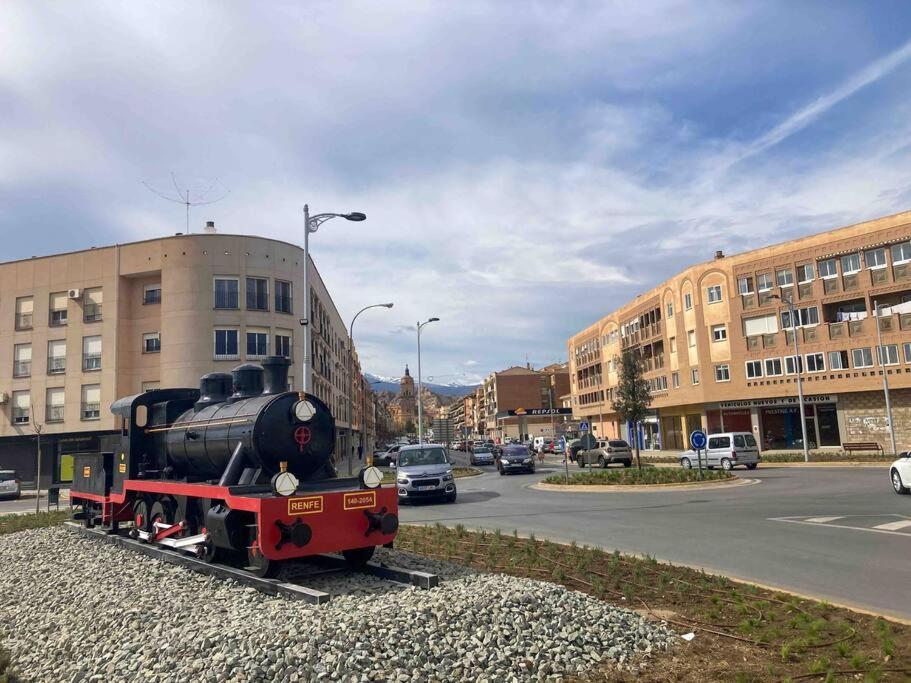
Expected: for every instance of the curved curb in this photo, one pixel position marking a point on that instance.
(476, 473)
(644, 488)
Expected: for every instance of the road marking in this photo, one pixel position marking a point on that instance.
(821, 520)
(875, 530)
(894, 526)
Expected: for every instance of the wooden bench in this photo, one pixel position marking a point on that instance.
(862, 446)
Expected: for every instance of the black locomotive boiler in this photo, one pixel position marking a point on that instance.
(240, 465)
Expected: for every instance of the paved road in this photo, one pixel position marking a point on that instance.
(839, 534)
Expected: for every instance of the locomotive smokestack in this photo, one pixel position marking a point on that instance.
(213, 388)
(275, 374)
(247, 380)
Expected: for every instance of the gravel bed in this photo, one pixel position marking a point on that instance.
(81, 610)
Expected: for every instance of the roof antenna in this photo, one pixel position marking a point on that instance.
(197, 192)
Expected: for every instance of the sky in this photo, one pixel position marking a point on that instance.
(526, 167)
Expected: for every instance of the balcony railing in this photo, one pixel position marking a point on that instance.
(769, 341)
(851, 282)
(22, 368)
(57, 318)
(830, 286)
(886, 323)
(838, 330)
(749, 301)
(54, 414)
(91, 361)
(151, 296)
(904, 321)
(879, 276)
(901, 272)
(765, 298)
(56, 365)
(91, 411)
(810, 334)
(225, 299)
(754, 343)
(805, 290)
(23, 321)
(21, 415)
(856, 328)
(92, 313)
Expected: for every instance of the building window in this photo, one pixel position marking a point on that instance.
(25, 307)
(850, 264)
(675, 380)
(722, 373)
(56, 356)
(762, 324)
(784, 277)
(875, 258)
(91, 353)
(754, 369)
(22, 360)
(91, 310)
(670, 310)
(91, 402)
(57, 314)
(901, 252)
(804, 317)
(151, 294)
(257, 343)
(773, 367)
(283, 344)
(150, 386)
(694, 375)
(691, 338)
(226, 292)
(226, 345)
(687, 301)
(22, 407)
(745, 285)
(719, 333)
(793, 365)
(54, 405)
(713, 294)
(907, 348)
(827, 268)
(764, 282)
(887, 354)
(862, 358)
(805, 273)
(282, 296)
(838, 360)
(673, 344)
(151, 342)
(816, 362)
(257, 294)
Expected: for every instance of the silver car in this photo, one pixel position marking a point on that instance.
(425, 472)
(608, 452)
(726, 450)
(481, 455)
(9, 484)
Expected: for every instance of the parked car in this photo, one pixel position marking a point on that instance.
(10, 485)
(900, 472)
(608, 452)
(482, 455)
(424, 472)
(515, 459)
(574, 447)
(388, 457)
(726, 450)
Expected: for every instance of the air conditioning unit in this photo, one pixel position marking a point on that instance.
(4, 397)
(74, 294)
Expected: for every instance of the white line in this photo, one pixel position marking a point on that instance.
(894, 526)
(822, 520)
(840, 526)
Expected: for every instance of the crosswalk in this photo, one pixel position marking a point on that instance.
(899, 525)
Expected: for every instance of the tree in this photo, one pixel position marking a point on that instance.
(409, 427)
(633, 396)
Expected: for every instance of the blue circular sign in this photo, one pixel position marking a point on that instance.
(697, 439)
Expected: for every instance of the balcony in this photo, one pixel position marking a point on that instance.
(57, 318)
(54, 414)
(23, 321)
(904, 321)
(754, 343)
(880, 276)
(805, 290)
(55, 366)
(810, 334)
(765, 297)
(22, 368)
(838, 330)
(91, 313)
(887, 323)
(748, 301)
(21, 416)
(769, 341)
(151, 296)
(851, 283)
(91, 361)
(830, 286)
(901, 272)
(857, 328)
(91, 411)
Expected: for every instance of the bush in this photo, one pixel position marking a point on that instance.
(12, 523)
(6, 673)
(635, 477)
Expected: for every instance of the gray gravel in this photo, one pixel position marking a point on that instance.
(79, 610)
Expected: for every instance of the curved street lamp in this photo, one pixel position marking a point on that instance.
(798, 367)
(311, 224)
(420, 397)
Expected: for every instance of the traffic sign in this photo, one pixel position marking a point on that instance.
(583, 426)
(588, 441)
(697, 439)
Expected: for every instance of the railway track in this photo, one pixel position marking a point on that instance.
(288, 586)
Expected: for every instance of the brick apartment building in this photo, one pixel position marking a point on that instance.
(717, 344)
(79, 330)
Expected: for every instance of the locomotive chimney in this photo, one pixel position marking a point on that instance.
(247, 380)
(213, 388)
(275, 374)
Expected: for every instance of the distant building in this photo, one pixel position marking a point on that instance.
(509, 403)
(404, 407)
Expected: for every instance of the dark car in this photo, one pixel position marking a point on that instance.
(515, 458)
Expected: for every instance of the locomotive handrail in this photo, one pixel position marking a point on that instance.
(205, 423)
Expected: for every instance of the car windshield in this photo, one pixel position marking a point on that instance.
(751, 442)
(515, 450)
(7, 475)
(481, 449)
(422, 456)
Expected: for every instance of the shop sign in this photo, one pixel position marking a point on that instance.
(773, 402)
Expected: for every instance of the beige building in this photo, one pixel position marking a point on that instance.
(718, 346)
(520, 403)
(81, 329)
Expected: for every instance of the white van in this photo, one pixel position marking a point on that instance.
(726, 450)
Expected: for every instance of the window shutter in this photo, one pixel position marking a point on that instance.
(56, 349)
(24, 352)
(93, 296)
(25, 306)
(22, 399)
(92, 393)
(56, 397)
(58, 301)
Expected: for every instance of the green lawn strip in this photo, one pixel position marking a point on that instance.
(634, 477)
(743, 632)
(12, 523)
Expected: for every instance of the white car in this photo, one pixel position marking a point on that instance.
(10, 486)
(900, 472)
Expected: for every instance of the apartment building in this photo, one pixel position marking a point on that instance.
(717, 344)
(79, 330)
(520, 402)
(455, 412)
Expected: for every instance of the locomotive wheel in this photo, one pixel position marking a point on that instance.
(141, 515)
(259, 564)
(359, 556)
(89, 515)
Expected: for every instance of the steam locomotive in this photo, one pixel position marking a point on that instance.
(238, 467)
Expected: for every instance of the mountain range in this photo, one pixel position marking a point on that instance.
(392, 384)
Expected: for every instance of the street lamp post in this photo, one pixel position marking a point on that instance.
(311, 224)
(799, 369)
(882, 367)
(37, 426)
(420, 397)
(351, 385)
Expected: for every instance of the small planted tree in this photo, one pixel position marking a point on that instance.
(633, 396)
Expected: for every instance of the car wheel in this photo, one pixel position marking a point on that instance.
(580, 462)
(502, 471)
(451, 498)
(897, 483)
(726, 464)
(602, 463)
(686, 464)
(627, 463)
(752, 465)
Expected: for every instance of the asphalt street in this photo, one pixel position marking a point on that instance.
(838, 534)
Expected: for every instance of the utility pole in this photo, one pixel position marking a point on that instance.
(37, 426)
(882, 367)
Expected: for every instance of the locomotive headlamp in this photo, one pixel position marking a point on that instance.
(304, 410)
(284, 483)
(371, 477)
